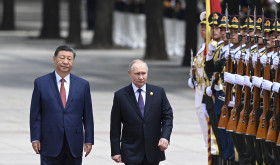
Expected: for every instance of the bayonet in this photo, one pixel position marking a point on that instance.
(248, 30)
(227, 30)
(192, 70)
(264, 38)
(255, 33)
(239, 34)
(227, 21)
(191, 75)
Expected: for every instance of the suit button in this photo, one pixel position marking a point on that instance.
(64, 113)
(62, 126)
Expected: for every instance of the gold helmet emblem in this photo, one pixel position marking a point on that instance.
(259, 20)
(267, 23)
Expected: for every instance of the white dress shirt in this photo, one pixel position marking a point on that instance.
(143, 93)
(66, 83)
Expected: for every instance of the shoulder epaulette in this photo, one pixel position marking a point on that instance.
(243, 48)
(220, 43)
(217, 54)
(262, 51)
(254, 48)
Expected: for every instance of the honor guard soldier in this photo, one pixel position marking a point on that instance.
(214, 79)
(271, 151)
(219, 67)
(253, 38)
(275, 90)
(197, 82)
(233, 77)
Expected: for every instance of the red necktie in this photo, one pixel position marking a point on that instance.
(63, 93)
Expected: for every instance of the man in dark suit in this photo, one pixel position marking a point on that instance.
(141, 120)
(60, 108)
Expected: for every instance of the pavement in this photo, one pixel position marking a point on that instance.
(23, 58)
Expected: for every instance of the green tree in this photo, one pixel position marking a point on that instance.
(103, 32)
(74, 29)
(155, 42)
(50, 28)
(191, 15)
(8, 15)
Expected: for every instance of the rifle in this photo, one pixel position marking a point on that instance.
(224, 111)
(243, 119)
(262, 129)
(272, 130)
(277, 100)
(252, 127)
(232, 123)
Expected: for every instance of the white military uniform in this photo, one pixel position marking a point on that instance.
(199, 91)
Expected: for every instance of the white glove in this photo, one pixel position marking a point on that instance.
(209, 91)
(211, 49)
(263, 59)
(266, 84)
(231, 103)
(247, 81)
(275, 62)
(239, 79)
(190, 83)
(275, 87)
(209, 57)
(255, 58)
(228, 77)
(247, 57)
(257, 81)
(203, 107)
(227, 54)
(237, 56)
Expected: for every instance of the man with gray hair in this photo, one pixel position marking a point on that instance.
(141, 120)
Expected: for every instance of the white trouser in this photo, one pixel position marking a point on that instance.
(200, 111)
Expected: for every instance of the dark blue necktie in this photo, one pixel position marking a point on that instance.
(141, 102)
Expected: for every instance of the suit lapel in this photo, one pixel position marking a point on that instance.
(149, 99)
(132, 99)
(71, 91)
(54, 87)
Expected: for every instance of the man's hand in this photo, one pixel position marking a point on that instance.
(36, 147)
(87, 149)
(163, 144)
(117, 158)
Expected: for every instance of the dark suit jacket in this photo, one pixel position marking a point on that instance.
(134, 136)
(49, 121)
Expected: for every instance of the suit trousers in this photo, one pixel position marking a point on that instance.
(144, 162)
(64, 158)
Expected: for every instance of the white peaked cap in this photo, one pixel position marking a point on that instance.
(202, 15)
